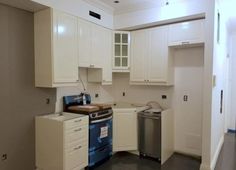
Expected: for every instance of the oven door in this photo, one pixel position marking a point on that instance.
(100, 133)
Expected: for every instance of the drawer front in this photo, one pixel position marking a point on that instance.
(75, 134)
(76, 155)
(76, 122)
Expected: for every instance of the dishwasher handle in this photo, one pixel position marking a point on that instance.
(149, 117)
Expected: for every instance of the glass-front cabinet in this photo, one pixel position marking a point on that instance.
(121, 51)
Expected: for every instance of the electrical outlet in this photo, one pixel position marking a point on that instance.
(96, 95)
(4, 157)
(185, 98)
(123, 93)
(164, 97)
(48, 101)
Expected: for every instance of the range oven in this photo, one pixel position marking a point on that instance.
(100, 130)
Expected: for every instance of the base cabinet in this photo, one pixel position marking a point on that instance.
(125, 135)
(61, 142)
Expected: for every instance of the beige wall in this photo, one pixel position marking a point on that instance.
(20, 101)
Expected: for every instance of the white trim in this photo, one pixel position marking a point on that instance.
(215, 157)
(205, 167)
(217, 153)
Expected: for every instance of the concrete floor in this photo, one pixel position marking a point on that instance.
(227, 158)
(127, 161)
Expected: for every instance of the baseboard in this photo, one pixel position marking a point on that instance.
(217, 153)
(215, 158)
(205, 167)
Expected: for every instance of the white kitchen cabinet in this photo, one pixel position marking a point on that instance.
(103, 75)
(56, 53)
(139, 55)
(61, 142)
(90, 44)
(151, 63)
(125, 135)
(121, 51)
(186, 33)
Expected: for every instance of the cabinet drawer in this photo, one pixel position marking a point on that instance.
(77, 133)
(76, 155)
(76, 122)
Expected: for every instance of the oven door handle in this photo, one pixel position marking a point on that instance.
(101, 120)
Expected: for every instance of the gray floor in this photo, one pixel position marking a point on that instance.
(127, 161)
(227, 158)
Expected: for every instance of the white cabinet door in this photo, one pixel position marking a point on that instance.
(85, 43)
(65, 56)
(97, 46)
(121, 53)
(139, 55)
(158, 55)
(125, 131)
(107, 61)
(185, 33)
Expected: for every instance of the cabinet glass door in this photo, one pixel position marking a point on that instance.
(121, 50)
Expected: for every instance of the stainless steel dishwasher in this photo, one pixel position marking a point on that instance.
(149, 128)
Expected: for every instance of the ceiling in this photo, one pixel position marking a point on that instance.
(125, 6)
(27, 5)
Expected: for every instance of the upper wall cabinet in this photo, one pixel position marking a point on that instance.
(150, 62)
(121, 51)
(104, 75)
(90, 44)
(187, 33)
(56, 49)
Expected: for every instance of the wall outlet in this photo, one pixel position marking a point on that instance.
(164, 96)
(185, 98)
(96, 95)
(48, 101)
(4, 157)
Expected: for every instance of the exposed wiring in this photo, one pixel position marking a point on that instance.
(82, 83)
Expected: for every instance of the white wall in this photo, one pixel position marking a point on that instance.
(219, 70)
(140, 94)
(81, 9)
(157, 15)
(189, 65)
(114, 93)
(232, 113)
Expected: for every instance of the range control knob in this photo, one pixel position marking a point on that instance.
(93, 115)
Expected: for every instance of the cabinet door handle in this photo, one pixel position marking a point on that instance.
(76, 121)
(77, 130)
(77, 148)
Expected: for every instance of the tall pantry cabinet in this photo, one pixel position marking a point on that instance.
(56, 50)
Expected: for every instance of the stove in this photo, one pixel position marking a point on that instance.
(100, 126)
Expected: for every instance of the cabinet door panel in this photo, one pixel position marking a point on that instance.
(84, 43)
(65, 48)
(125, 131)
(97, 46)
(139, 55)
(107, 51)
(158, 56)
(187, 32)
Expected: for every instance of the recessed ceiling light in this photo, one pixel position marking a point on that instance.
(116, 2)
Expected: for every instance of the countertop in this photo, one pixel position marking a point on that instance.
(64, 116)
(125, 106)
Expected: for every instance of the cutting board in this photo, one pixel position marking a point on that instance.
(84, 108)
(102, 105)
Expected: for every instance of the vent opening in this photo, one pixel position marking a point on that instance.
(95, 15)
